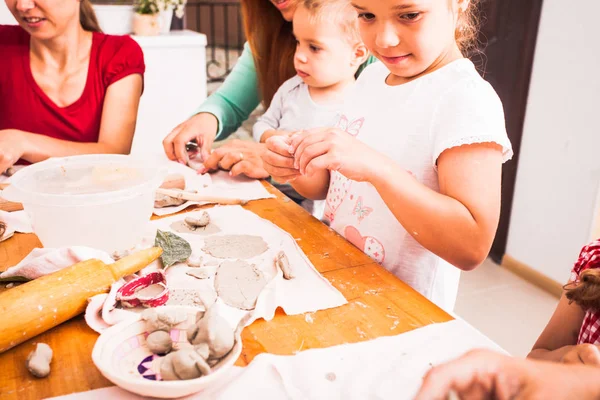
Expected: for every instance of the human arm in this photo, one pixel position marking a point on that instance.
(482, 374)
(117, 127)
(221, 114)
(559, 338)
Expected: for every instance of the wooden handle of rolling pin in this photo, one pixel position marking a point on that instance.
(180, 194)
(41, 304)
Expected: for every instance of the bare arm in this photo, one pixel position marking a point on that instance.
(458, 223)
(117, 126)
(560, 335)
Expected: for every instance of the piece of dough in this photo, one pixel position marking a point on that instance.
(162, 320)
(159, 342)
(213, 330)
(38, 361)
(235, 246)
(239, 284)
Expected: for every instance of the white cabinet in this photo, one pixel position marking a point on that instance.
(174, 85)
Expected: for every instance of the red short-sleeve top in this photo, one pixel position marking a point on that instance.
(25, 106)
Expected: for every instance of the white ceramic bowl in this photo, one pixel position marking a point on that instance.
(121, 355)
(101, 201)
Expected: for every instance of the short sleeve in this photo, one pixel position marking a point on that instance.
(128, 59)
(589, 258)
(469, 112)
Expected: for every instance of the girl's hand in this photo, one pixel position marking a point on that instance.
(278, 161)
(12, 148)
(334, 150)
(239, 157)
(587, 354)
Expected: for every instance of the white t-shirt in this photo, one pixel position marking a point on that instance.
(292, 109)
(412, 124)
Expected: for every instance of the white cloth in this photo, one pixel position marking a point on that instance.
(415, 123)
(292, 109)
(384, 368)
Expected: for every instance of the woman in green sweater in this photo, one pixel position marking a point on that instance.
(266, 62)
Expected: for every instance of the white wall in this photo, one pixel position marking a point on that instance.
(6, 18)
(556, 193)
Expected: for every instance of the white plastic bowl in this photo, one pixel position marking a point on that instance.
(100, 201)
(121, 355)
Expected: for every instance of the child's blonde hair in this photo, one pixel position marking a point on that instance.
(338, 12)
(467, 27)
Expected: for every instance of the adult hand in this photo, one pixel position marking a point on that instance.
(278, 161)
(240, 157)
(201, 127)
(483, 374)
(12, 147)
(587, 354)
(335, 150)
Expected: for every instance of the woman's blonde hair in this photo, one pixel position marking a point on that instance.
(87, 17)
(273, 45)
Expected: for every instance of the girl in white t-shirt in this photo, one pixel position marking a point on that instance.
(411, 173)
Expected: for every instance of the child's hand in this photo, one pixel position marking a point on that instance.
(278, 161)
(334, 150)
(587, 354)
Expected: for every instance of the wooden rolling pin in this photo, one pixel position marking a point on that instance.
(41, 304)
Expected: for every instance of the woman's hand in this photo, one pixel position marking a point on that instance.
(335, 150)
(201, 127)
(240, 157)
(12, 147)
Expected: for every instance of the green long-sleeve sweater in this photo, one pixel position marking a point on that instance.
(238, 96)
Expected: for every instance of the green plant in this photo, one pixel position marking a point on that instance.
(147, 7)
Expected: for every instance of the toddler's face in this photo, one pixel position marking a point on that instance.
(324, 55)
(409, 36)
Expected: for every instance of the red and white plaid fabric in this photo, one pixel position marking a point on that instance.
(588, 258)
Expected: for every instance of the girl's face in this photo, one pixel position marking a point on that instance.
(45, 19)
(286, 7)
(411, 37)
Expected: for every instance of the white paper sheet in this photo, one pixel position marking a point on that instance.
(384, 368)
(291, 295)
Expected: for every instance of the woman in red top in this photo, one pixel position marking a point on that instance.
(573, 333)
(65, 88)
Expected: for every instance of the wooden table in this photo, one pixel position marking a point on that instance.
(378, 305)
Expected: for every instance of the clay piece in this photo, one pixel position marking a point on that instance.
(191, 297)
(162, 320)
(159, 342)
(162, 201)
(239, 284)
(117, 255)
(202, 273)
(200, 222)
(38, 361)
(182, 227)
(284, 264)
(194, 261)
(213, 330)
(235, 246)
(173, 181)
(175, 248)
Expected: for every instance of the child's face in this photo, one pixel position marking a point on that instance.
(324, 56)
(410, 37)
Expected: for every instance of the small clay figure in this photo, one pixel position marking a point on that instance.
(159, 342)
(38, 361)
(166, 368)
(284, 264)
(162, 320)
(200, 222)
(213, 330)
